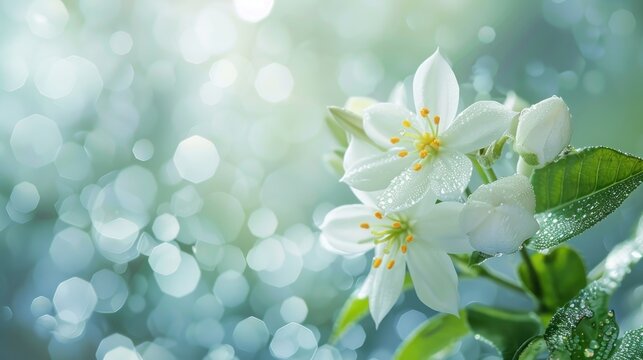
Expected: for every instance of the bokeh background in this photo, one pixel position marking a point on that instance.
(161, 172)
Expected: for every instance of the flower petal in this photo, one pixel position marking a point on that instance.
(405, 190)
(368, 198)
(383, 121)
(478, 126)
(357, 151)
(435, 87)
(449, 174)
(341, 230)
(434, 278)
(502, 229)
(387, 286)
(440, 226)
(367, 285)
(402, 93)
(376, 172)
(513, 190)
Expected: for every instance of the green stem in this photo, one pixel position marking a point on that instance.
(491, 174)
(479, 169)
(482, 271)
(486, 273)
(532, 272)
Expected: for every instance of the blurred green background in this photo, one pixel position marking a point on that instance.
(161, 173)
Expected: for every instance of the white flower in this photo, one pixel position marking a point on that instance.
(499, 217)
(544, 130)
(418, 154)
(419, 238)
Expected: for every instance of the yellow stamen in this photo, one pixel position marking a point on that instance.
(424, 154)
(409, 238)
(402, 153)
(435, 143)
(364, 225)
(424, 112)
(436, 120)
(377, 262)
(404, 249)
(390, 264)
(395, 140)
(396, 225)
(417, 166)
(379, 215)
(406, 123)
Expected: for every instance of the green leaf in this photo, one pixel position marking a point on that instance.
(584, 327)
(334, 162)
(434, 339)
(505, 330)
(630, 346)
(354, 310)
(478, 258)
(561, 276)
(531, 348)
(339, 134)
(580, 189)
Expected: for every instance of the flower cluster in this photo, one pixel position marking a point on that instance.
(411, 170)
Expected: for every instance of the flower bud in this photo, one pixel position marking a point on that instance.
(499, 217)
(357, 104)
(544, 130)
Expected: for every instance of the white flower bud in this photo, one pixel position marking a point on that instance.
(357, 104)
(544, 130)
(499, 217)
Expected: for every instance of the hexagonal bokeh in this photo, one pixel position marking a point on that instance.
(293, 341)
(250, 334)
(74, 300)
(36, 140)
(112, 342)
(71, 249)
(196, 159)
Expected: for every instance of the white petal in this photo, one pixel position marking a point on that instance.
(386, 287)
(434, 278)
(418, 210)
(383, 121)
(341, 231)
(449, 174)
(435, 87)
(402, 93)
(366, 287)
(440, 226)
(357, 151)
(399, 95)
(512, 190)
(502, 230)
(405, 190)
(376, 172)
(478, 126)
(368, 198)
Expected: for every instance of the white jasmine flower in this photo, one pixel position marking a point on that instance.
(425, 152)
(418, 238)
(499, 217)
